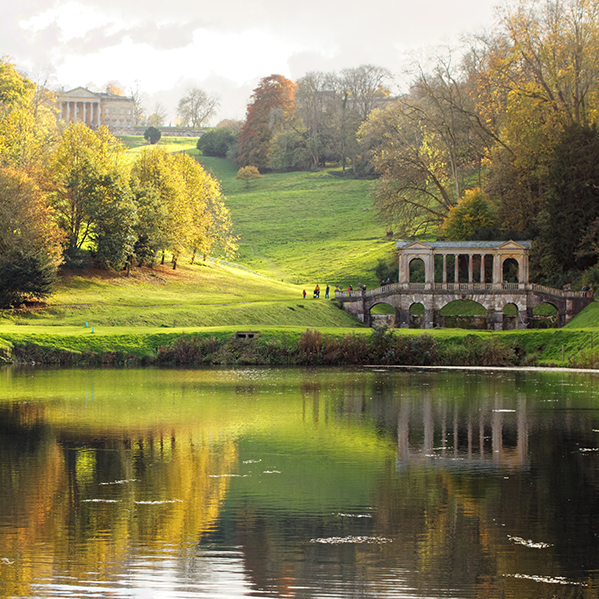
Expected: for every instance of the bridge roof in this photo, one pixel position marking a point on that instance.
(463, 244)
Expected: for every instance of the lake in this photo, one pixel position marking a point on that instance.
(273, 482)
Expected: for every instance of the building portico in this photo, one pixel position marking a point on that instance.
(94, 109)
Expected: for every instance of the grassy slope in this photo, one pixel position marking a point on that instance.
(192, 296)
(307, 228)
(299, 229)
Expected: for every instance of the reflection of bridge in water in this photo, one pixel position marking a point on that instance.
(493, 438)
(493, 274)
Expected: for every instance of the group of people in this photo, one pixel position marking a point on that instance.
(317, 292)
(328, 289)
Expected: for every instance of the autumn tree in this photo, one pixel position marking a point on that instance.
(189, 201)
(538, 75)
(27, 119)
(270, 108)
(247, 174)
(30, 240)
(88, 174)
(196, 107)
(472, 213)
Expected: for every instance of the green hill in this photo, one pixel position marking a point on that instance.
(305, 227)
(302, 227)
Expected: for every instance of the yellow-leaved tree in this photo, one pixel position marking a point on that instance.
(193, 215)
(472, 213)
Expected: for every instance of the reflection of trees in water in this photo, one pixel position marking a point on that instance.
(460, 476)
(471, 484)
(84, 504)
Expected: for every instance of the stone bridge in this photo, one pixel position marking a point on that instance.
(492, 263)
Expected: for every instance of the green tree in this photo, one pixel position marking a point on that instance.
(216, 142)
(113, 214)
(572, 201)
(152, 135)
(289, 151)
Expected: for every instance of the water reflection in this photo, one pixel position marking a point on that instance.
(298, 483)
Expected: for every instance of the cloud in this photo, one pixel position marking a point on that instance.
(229, 44)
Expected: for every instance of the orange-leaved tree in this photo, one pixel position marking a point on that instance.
(271, 106)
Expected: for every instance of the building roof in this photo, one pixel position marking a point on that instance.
(462, 244)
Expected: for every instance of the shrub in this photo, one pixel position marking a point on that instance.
(152, 135)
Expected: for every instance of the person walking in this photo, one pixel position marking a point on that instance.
(304, 294)
(326, 292)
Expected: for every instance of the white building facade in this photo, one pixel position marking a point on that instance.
(96, 109)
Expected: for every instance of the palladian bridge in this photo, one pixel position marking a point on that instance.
(492, 273)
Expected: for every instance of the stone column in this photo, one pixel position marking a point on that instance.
(429, 269)
(497, 270)
(482, 269)
(456, 270)
(470, 273)
(404, 271)
(444, 269)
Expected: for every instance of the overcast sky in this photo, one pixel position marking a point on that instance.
(224, 46)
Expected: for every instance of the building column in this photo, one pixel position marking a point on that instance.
(482, 269)
(404, 272)
(470, 273)
(497, 270)
(429, 269)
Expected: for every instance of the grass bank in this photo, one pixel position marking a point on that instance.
(297, 345)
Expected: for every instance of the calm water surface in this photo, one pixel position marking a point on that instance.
(298, 483)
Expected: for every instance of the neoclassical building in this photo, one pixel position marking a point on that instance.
(95, 109)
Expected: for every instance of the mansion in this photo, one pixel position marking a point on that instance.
(95, 109)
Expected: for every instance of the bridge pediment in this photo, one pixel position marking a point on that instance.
(512, 245)
(416, 246)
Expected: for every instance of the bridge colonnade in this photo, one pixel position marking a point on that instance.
(494, 294)
(450, 251)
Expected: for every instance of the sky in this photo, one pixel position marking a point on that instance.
(166, 47)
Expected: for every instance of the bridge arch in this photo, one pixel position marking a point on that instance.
(417, 270)
(545, 315)
(383, 313)
(463, 314)
(417, 315)
(510, 270)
